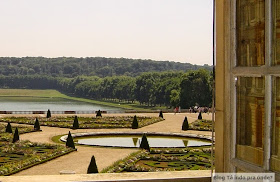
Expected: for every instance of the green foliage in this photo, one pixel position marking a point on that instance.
(199, 116)
(9, 128)
(36, 125)
(16, 136)
(135, 123)
(49, 114)
(196, 89)
(160, 114)
(92, 168)
(86, 122)
(201, 125)
(90, 66)
(23, 154)
(164, 159)
(185, 125)
(144, 143)
(69, 141)
(149, 89)
(76, 123)
(98, 114)
(174, 98)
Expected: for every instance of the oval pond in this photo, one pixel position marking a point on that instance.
(134, 141)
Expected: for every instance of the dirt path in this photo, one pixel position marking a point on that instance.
(79, 161)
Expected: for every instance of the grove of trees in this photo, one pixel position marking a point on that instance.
(155, 87)
(90, 66)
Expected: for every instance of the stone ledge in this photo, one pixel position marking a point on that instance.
(173, 176)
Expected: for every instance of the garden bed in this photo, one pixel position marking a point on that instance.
(168, 159)
(86, 122)
(21, 155)
(201, 125)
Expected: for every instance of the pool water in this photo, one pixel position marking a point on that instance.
(134, 141)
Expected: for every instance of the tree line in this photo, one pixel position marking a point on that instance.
(173, 88)
(91, 66)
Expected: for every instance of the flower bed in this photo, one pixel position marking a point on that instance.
(86, 122)
(164, 160)
(20, 155)
(201, 125)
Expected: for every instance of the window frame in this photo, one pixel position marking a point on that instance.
(268, 71)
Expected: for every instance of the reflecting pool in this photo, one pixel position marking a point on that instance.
(134, 141)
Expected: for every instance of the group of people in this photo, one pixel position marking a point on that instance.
(196, 109)
(193, 109)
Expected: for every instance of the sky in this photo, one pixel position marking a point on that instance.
(166, 30)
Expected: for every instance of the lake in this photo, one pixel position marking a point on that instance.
(54, 104)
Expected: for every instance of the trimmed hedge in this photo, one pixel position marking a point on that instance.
(87, 122)
(92, 168)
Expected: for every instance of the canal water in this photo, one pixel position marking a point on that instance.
(54, 104)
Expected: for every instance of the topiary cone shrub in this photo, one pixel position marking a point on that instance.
(37, 125)
(16, 136)
(76, 123)
(135, 123)
(144, 143)
(98, 114)
(69, 141)
(199, 116)
(185, 125)
(92, 168)
(160, 114)
(49, 114)
(9, 128)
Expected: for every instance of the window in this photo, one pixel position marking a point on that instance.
(255, 88)
(250, 32)
(250, 119)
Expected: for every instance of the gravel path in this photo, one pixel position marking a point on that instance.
(78, 161)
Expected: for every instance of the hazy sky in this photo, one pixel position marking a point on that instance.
(174, 30)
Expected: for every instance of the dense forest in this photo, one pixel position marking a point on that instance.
(148, 83)
(92, 66)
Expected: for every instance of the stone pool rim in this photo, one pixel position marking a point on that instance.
(193, 136)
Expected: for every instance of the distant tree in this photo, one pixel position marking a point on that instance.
(69, 141)
(98, 114)
(185, 125)
(135, 123)
(49, 114)
(76, 123)
(92, 168)
(195, 89)
(9, 128)
(199, 116)
(144, 143)
(16, 136)
(174, 98)
(160, 114)
(36, 125)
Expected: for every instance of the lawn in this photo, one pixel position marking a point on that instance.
(168, 159)
(20, 155)
(86, 122)
(48, 93)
